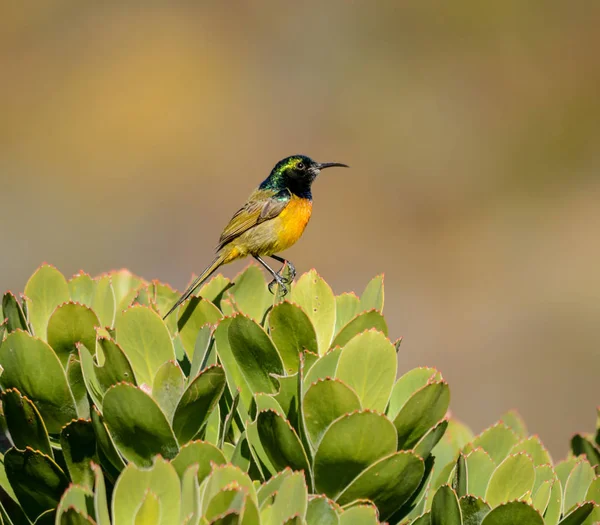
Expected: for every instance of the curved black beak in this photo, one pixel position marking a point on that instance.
(324, 165)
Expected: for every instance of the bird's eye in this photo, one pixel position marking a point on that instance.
(300, 166)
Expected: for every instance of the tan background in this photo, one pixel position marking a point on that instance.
(130, 134)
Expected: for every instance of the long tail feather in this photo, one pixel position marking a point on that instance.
(198, 281)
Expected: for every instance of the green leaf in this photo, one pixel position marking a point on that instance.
(214, 289)
(496, 440)
(230, 498)
(291, 499)
(104, 301)
(445, 509)
(517, 512)
(460, 476)
(46, 289)
(348, 448)
(36, 479)
(315, 297)
(31, 366)
(78, 443)
(190, 495)
(421, 412)
(92, 385)
(193, 315)
(281, 443)
(407, 385)
(72, 517)
(553, 511)
(145, 340)
(583, 446)
(292, 332)
(133, 485)
(368, 364)
(124, 284)
(75, 498)
(324, 402)
(359, 515)
(514, 421)
(480, 466)
(371, 320)
(110, 459)
(473, 509)
(168, 386)
(427, 443)
(541, 497)
(25, 423)
(163, 297)
(578, 515)
(113, 366)
(255, 354)
(534, 447)
(250, 294)
(149, 511)
(577, 484)
(511, 480)
(77, 386)
(82, 288)
(200, 453)
(12, 311)
(204, 352)
(138, 426)
(321, 511)
(380, 482)
(324, 367)
(197, 402)
(347, 306)
(71, 323)
(563, 469)
(372, 297)
(100, 503)
(223, 476)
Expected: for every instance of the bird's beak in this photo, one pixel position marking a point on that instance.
(332, 165)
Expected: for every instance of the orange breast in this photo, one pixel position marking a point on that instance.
(292, 221)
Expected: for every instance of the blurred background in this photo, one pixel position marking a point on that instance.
(131, 132)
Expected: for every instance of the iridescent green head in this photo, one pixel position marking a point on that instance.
(296, 173)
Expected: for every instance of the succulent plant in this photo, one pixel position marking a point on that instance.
(251, 408)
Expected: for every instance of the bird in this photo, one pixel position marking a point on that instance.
(273, 219)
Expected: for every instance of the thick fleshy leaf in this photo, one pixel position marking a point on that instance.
(315, 297)
(255, 354)
(24, 422)
(12, 311)
(445, 509)
(78, 443)
(223, 476)
(110, 459)
(347, 307)
(513, 420)
(69, 324)
(368, 364)
(580, 445)
(359, 515)
(200, 453)
(513, 512)
(372, 296)
(496, 440)
(104, 301)
(291, 499)
(36, 479)
(100, 502)
(46, 289)
(292, 332)
(421, 412)
(578, 515)
(148, 512)
(163, 297)
(113, 366)
(324, 367)
(249, 294)
(215, 288)
(82, 288)
(145, 340)
(348, 448)
(168, 386)
(193, 315)
(371, 320)
(75, 498)
(31, 366)
(460, 476)
(77, 386)
(94, 389)
(380, 482)
(134, 484)
(321, 511)
(554, 509)
(541, 497)
(407, 385)
(196, 403)
(190, 496)
(324, 402)
(281, 443)
(125, 284)
(563, 468)
(536, 450)
(577, 484)
(480, 466)
(204, 351)
(427, 443)
(473, 509)
(513, 478)
(138, 426)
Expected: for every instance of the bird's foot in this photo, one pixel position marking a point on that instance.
(278, 280)
(292, 274)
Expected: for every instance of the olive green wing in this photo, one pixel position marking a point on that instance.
(262, 206)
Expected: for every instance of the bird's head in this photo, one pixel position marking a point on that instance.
(297, 173)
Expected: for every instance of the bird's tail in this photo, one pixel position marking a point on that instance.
(198, 281)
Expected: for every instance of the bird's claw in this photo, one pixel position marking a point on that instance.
(278, 281)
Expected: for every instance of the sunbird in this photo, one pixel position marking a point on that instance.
(272, 220)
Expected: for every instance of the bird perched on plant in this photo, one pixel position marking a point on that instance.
(271, 221)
